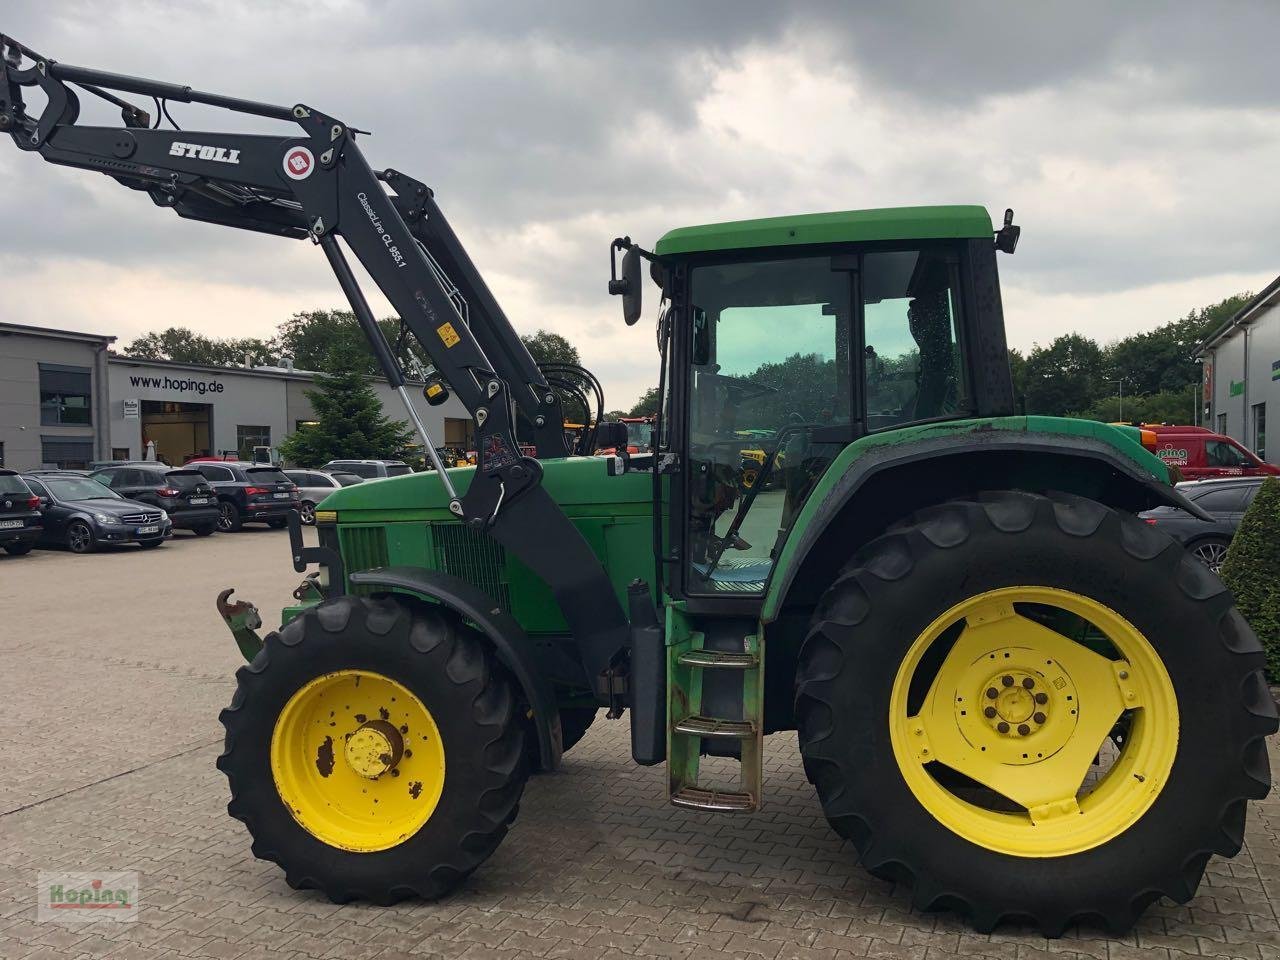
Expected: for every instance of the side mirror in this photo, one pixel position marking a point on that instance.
(45, 501)
(1007, 235)
(627, 285)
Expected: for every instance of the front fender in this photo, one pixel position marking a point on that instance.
(511, 644)
(1061, 454)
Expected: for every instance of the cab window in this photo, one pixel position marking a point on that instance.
(1220, 453)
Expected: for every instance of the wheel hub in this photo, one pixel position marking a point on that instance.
(374, 748)
(1013, 706)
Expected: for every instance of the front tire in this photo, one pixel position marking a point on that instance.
(205, 531)
(150, 544)
(307, 512)
(79, 537)
(277, 523)
(354, 668)
(904, 742)
(1210, 551)
(19, 549)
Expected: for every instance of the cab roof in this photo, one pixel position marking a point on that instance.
(847, 226)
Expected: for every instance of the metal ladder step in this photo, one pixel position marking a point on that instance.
(717, 658)
(720, 801)
(699, 726)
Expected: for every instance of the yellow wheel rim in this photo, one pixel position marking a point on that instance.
(358, 760)
(1023, 711)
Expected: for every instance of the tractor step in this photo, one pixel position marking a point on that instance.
(715, 707)
(718, 801)
(697, 726)
(716, 658)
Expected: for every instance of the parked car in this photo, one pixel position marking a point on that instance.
(183, 493)
(1227, 499)
(20, 519)
(1199, 454)
(369, 469)
(249, 494)
(83, 514)
(315, 485)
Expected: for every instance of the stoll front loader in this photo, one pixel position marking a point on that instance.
(1009, 692)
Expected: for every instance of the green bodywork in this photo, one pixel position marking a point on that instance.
(406, 520)
(851, 226)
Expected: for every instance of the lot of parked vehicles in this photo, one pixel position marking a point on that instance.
(143, 502)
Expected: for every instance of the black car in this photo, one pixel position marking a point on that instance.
(20, 520)
(82, 514)
(182, 493)
(1226, 498)
(250, 493)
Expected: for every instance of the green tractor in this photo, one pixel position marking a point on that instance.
(1009, 692)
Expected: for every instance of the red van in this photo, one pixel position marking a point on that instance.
(1199, 453)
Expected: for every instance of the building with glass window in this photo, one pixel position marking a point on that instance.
(1241, 362)
(66, 402)
(53, 396)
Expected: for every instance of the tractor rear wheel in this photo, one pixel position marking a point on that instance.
(1034, 708)
(374, 750)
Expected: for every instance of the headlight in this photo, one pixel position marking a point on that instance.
(105, 518)
(164, 516)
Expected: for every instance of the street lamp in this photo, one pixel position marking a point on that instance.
(1121, 383)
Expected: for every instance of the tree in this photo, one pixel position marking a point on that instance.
(187, 346)
(313, 338)
(349, 423)
(1168, 406)
(1018, 373)
(1065, 376)
(1252, 570)
(646, 406)
(547, 347)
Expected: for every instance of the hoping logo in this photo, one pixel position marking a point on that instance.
(298, 163)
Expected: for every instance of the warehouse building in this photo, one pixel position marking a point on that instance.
(1241, 362)
(65, 402)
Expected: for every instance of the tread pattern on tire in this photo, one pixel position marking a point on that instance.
(832, 646)
(494, 708)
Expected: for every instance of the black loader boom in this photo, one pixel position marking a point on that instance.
(317, 184)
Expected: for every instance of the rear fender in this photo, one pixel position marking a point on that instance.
(876, 481)
(510, 643)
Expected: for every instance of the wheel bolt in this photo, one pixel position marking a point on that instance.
(1042, 698)
(1023, 729)
(1039, 717)
(1002, 727)
(1007, 680)
(1028, 682)
(990, 712)
(992, 693)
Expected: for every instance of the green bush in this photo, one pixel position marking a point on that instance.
(1252, 570)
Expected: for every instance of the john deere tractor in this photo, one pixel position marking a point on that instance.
(1008, 691)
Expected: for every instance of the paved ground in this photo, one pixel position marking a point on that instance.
(115, 667)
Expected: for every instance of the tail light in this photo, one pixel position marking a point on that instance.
(1150, 520)
(33, 503)
(170, 492)
(256, 491)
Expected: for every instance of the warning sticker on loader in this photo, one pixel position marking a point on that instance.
(448, 334)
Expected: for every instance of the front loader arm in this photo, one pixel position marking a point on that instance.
(318, 184)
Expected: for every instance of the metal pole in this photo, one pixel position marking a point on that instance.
(431, 447)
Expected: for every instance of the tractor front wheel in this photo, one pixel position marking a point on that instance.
(1034, 708)
(374, 750)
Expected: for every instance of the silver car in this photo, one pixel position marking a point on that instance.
(315, 485)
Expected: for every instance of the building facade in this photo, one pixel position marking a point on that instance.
(53, 396)
(1241, 362)
(65, 402)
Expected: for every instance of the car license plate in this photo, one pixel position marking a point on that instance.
(281, 496)
(10, 524)
(199, 500)
(145, 530)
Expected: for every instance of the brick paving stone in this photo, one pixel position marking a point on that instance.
(596, 866)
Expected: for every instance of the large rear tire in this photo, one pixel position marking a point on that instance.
(374, 750)
(1084, 789)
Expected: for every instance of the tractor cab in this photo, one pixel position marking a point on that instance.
(786, 340)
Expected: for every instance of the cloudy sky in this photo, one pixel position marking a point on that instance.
(1138, 143)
